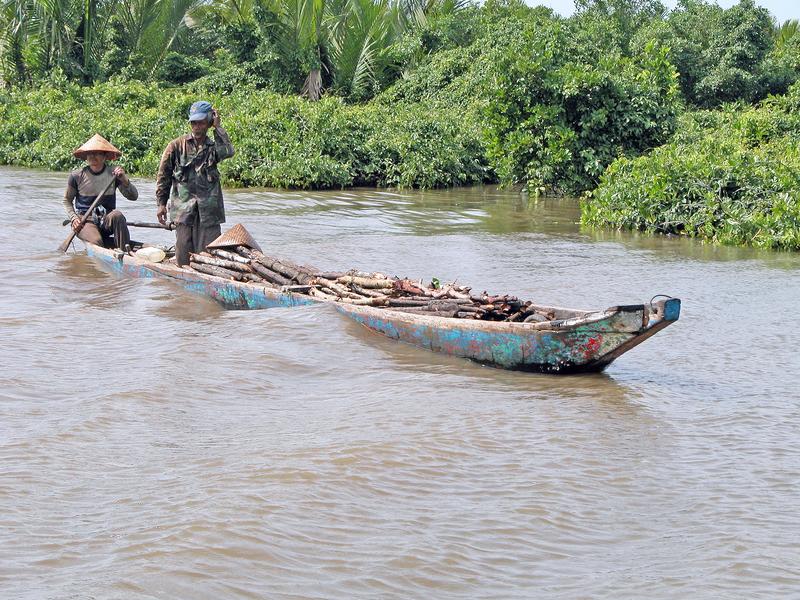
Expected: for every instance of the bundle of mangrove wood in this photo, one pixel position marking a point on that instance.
(357, 287)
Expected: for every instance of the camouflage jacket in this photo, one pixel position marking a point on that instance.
(188, 178)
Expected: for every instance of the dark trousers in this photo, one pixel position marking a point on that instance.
(193, 237)
(114, 223)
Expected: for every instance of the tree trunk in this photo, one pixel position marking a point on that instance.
(312, 88)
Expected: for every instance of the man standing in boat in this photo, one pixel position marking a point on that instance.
(85, 184)
(189, 180)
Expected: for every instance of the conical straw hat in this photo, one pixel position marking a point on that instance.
(235, 236)
(97, 143)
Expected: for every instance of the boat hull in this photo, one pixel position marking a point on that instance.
(585, 344)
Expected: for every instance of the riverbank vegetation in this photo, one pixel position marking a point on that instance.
(731, 176)
(647, 112)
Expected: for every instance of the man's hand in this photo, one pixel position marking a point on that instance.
(76, 224)
(215, 121)
(121, 176)
(161, 214)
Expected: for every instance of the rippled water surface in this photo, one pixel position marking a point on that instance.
(153, 445)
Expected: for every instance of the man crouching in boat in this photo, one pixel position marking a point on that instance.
(85, 184)
(188, 178)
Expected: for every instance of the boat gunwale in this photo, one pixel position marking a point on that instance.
(556, 326)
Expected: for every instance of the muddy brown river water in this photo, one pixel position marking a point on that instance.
(155, 446)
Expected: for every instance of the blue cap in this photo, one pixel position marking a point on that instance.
(200, 111)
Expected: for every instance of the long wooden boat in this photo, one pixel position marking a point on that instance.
(573, 341)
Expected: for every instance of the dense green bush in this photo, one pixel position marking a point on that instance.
(731, 177)
(281, 141)
(554, 110)
(723, 55)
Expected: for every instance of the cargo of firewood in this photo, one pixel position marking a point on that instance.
(241, 263)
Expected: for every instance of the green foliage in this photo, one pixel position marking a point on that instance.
(730, 177)
(556, 121)
(744, 40)
(782, 65)
(180, 68)
(722, 55)
(280, 141)
(87, 39)
(619, 20)
(552, 114)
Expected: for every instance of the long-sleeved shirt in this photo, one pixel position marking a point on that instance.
(189, 180)
(83, 186)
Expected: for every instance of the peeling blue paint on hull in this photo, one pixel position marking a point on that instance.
(586, 344)
(230, 294)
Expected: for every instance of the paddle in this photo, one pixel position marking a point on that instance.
(169, 226)
(63, 247)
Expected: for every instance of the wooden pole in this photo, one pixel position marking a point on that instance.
(65, 244)
(169, 226)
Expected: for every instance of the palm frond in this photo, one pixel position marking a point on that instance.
(785, 32)
(356, 53)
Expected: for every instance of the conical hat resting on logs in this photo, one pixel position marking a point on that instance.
(235, 236)
(97, 143)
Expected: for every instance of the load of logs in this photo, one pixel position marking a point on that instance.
(241, 263)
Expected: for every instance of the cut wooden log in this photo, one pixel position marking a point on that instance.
(338, 289)
(467, 307)
(331, 297)
(269, 274)
(517, 316)
(366, 292)
(227, 255)
(284, 268)
(221, 262)
(287, 269)
(418, 310)
(317, 293)
(364, 301)
(407, 302)
(216, 271)
(254, 278)
(338, 293)
(452, 293)
(245, 252)
(409, 287)
(366, 282)
(357, 273)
